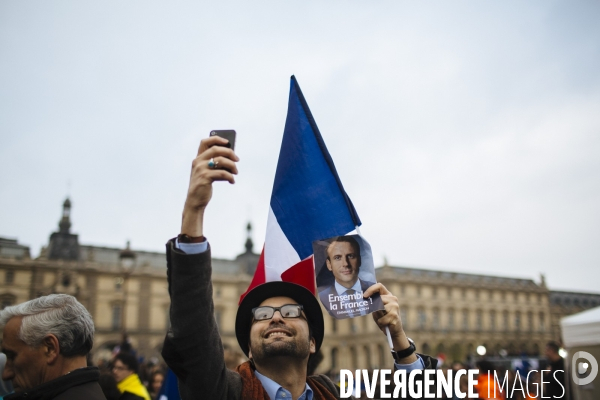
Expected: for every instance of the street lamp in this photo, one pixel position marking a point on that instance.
(481, 350)
(127, 265)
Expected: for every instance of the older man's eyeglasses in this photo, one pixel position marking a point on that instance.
(286, 311)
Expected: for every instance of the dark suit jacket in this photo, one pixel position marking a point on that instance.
(324, 296)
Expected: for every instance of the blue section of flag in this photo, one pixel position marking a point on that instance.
(308, 198)
(170, 388)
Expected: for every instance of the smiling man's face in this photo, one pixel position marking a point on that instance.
(280, 337)
(343, 262)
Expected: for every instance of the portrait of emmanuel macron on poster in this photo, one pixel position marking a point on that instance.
(344, 269)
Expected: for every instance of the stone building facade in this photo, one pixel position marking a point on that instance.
(443, 312)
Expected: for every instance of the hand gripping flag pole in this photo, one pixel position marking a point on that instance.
(387, 328)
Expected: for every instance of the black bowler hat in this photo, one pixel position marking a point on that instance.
(260, 293)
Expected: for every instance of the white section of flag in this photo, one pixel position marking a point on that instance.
(279, 252)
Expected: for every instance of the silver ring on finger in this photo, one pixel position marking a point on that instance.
(212, 164)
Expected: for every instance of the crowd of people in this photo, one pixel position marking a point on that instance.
(124, 377)
(66, 341)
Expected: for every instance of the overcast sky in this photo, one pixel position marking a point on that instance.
(467, 133)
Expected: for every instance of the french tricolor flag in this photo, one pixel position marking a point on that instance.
(308, 201)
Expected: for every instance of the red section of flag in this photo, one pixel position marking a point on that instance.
(259, 275)
(302, 273)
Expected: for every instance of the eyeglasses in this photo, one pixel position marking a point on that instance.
(286, 311)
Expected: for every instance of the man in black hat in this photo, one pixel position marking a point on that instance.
(279, 325)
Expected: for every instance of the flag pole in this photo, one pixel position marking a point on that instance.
(387, 328)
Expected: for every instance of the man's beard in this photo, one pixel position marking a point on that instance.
(281, 348)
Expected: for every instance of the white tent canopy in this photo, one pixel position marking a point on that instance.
(582, 329)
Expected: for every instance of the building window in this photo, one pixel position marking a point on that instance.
(117, 310)
(422, 318)
(516, 296)
(518, 320)
(367, 356)
(542, 322)
(450, 319)
(492, 320)
(404, 316)
(334, 358)
(383, 356)
(464, 294)
(218, 319)
(477, 294)
(66, 280)
(465, 321)
(9, 277)
(506, 320)
(436, 319)
(418, 290)
(491, 295)
(7, 300)
(353, 357)
(449, 293)
(479, 320)
(530, 321)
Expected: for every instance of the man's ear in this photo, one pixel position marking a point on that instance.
(313, 346)
(328, 263)
(51, 348)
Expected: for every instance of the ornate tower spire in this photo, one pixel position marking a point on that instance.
(248, 260)
(249, 243)
(64, 226)
(63, 244)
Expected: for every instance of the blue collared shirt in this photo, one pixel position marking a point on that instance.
(276, 392)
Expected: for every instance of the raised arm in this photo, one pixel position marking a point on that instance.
(193, 348)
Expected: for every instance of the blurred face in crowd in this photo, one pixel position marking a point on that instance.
(25, 365)
(343, 262)
(551, 353)
(157, 382)
(120, 371)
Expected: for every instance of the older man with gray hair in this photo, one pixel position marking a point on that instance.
(46, 342)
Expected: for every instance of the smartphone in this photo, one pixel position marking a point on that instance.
(226, 134)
